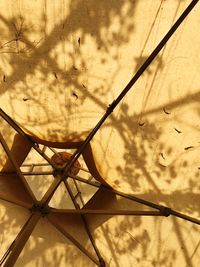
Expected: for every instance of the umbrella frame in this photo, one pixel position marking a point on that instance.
(41, 208)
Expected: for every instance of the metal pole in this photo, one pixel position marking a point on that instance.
(113, 105)
(21, 240)
(108, 212)
(27, 173)
(19, 130)
(80, 179)
(15, 202)
(85, 224)
(138, 74)
(127, 88)
(73, 240)
(166, 211)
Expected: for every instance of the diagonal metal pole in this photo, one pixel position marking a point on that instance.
(184, 217)
(166, 211)
(85, 224)
(20, 131)
(48, 195)
(73, 240)
(15, 202)
(110, 109)
(138, 200)
(19, 243)
(113, 105)
(85, 181)
(127, 88)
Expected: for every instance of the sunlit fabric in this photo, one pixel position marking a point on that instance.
(62, 63)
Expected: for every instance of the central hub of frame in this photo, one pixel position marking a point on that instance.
(60, 160)
(41, 208)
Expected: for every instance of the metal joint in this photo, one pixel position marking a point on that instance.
(111, 107)
(102, 262)
(44, 210)
(59, 172)
(165, 211)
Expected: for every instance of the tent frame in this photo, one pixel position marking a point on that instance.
(41, 208)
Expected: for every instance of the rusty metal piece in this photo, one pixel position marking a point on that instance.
(61, 158)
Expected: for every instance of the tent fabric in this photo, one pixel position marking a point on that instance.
(11, 187)
(54, 113)
(62, 63)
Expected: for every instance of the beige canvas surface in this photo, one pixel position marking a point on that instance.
(61, 64)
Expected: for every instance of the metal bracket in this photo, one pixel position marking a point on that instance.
(43, 209)
(102, 262)
(165, 211)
